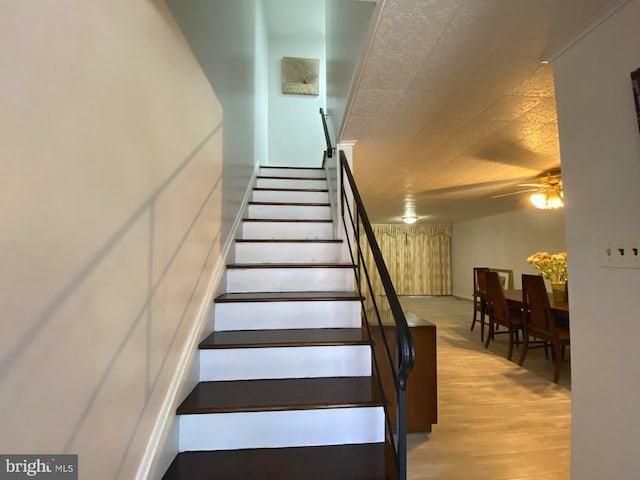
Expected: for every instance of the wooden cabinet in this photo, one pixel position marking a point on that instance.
(422, 398)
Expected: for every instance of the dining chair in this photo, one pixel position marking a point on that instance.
(500, 313)
(479, 298)
(540, 322)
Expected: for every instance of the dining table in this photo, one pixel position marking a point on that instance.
(560, 309)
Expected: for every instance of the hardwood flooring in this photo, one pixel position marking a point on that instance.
(497, 421)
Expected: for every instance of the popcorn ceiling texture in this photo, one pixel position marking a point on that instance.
(453, 95)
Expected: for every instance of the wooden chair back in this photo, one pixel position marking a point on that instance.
(536, 301)
(540, 321)
(496, 299)
(479, 275)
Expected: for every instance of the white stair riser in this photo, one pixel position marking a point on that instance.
(290, 212)
(292, 172)
(275, 315)
(289, 280)
(290, 183)
(285, 362)
(294, 252)
(290, 428)
(288, 230)
(290, 196)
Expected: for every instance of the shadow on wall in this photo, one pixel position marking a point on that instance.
(222, 37)
(156, 288)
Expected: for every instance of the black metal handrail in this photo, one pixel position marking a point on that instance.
(405, 351)
(327, 137)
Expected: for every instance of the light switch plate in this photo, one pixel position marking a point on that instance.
(619, 252)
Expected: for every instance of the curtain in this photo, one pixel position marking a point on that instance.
(418, 258)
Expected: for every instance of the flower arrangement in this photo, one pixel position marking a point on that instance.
(552, 266)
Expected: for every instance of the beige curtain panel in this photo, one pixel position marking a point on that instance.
(418, 258)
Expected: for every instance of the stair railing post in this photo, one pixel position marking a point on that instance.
(358, 245)
(402, 433)
(347, 148)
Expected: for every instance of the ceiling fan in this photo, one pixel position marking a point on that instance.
(548, 192)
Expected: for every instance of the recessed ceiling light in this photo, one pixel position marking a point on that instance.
(410, 219)
(544, 62)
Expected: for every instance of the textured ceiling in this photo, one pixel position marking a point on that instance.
(454, 105)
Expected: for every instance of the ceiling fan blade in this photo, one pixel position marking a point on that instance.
(473, 186)
(507, 152)
(516, 193)
(529, 185)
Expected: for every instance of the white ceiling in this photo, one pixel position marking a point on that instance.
(454, 105)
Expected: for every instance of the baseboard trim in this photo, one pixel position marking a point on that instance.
(151, 457)
(463, 297)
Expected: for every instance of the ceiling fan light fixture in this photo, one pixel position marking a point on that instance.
(539, 200)
(547, 200)
(554, 200)
(410, 219)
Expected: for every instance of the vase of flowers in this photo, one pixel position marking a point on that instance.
(553, 268)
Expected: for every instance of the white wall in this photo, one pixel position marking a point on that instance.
(348, 28)
(261, 82)
(224, 39)
(504, 241)
(295, 128)
(600, 147)
(111, 160)
(116, 198)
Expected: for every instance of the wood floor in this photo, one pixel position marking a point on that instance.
(497, 421)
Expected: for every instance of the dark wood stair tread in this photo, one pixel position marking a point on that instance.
(335, 462)
(274, 189)
(287, 297)
(285, 240)
(291, 204)
(246, 266)
(285, 338)
(270, 177)
(287, 220)
(280, 394)
(289, 167)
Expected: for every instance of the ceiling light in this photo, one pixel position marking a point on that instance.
(539, 200)
(409, 220)
(548, 200)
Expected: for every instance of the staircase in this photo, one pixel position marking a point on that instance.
(285, 388)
